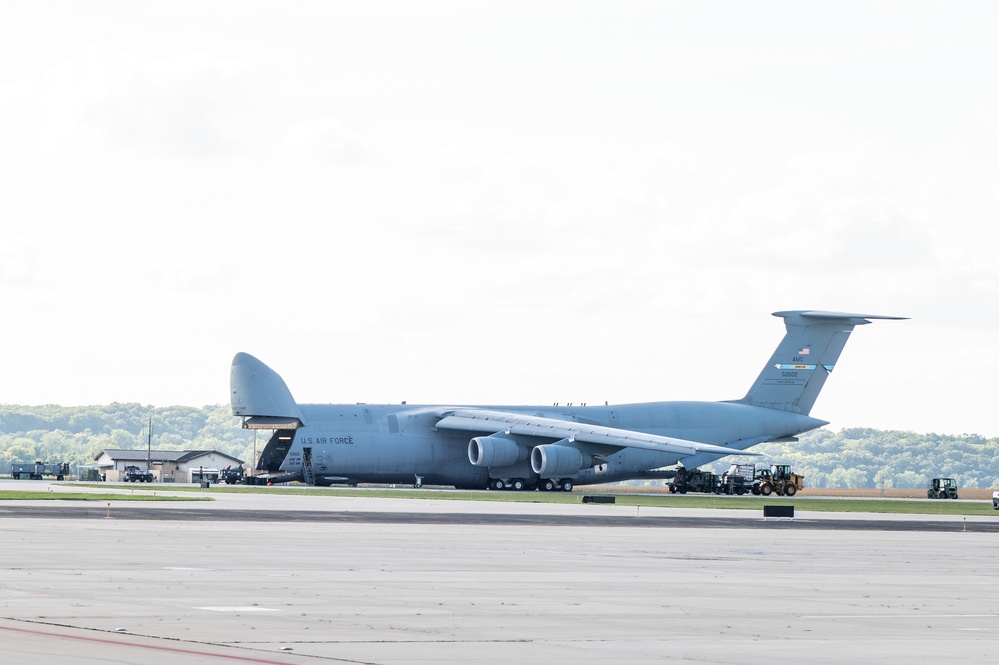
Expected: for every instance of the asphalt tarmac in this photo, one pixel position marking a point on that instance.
(288, 579)
(627, 518)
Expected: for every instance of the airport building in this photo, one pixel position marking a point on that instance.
(168, 466)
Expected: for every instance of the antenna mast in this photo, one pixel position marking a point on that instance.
(149, 445)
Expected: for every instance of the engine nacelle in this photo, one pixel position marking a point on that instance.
(553, 460)
(494, 450)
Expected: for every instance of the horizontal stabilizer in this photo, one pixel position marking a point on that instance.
(853, 319)
(798, 369)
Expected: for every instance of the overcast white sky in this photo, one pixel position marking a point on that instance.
(508, 202)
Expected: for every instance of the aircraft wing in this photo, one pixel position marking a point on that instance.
(481, 420)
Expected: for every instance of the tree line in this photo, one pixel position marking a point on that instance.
(860, 457)
(849, 458)
(77, 435)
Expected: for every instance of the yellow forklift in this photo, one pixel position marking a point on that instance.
(778, 480)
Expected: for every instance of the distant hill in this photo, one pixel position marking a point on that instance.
(78, 434)
(885, 459)
(850, 458)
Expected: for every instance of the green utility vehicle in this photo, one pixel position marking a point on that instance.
(942, 488)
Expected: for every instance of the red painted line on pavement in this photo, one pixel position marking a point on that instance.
(101, 640)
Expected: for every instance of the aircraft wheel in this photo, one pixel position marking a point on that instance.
(496, 484)
(518, 484)
(565, 485)
(766, 489)
(790, 490)
(547, 485)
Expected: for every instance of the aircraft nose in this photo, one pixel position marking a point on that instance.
(242, 358)
(257, 390)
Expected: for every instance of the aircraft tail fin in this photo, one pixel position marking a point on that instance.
(798, 369)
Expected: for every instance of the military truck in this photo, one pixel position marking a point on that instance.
(38, 469)
(694, 480)
(134, 474)
(942, 488)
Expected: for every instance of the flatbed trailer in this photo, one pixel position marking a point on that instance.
(738, 479)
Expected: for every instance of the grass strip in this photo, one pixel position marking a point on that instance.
(17, 495)
(702, 501)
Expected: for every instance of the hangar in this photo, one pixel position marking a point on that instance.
(168, 466)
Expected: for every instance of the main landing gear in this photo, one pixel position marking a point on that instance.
(519, 484)
(515, 484)
(553, 485)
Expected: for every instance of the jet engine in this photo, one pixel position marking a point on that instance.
(494, 450)
(554, 460)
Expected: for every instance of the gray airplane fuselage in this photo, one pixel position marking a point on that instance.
(547, 447)
(397, 443)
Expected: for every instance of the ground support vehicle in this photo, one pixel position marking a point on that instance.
(779, 480)
(942, 488)
(134, 475)
(995, 500)
(38, 469)
(694, 480)
(231, 476)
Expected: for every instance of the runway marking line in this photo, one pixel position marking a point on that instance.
(150, 647)
(237, 609)
(900, 616)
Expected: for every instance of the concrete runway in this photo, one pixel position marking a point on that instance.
(286, 579)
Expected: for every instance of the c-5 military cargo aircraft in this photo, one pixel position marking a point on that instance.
(551, 448)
